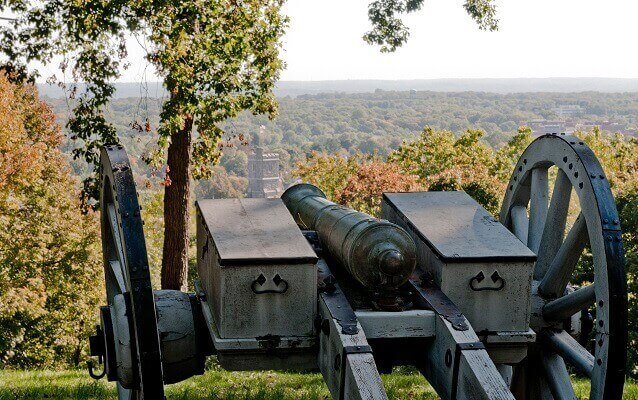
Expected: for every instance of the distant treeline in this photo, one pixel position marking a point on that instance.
(493, 85)
(374, 122)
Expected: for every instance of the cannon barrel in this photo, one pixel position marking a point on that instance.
(378, 254)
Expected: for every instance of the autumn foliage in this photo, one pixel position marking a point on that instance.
(363, 189)
(50, 277)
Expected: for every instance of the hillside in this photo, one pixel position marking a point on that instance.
(379, 121)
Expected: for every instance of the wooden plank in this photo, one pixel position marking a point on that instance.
(566, 306)
(476, 376)
(557, 377)
(348, 376)
(554, 229)
(362, 380)
(562, 266)
(254, 231)
(520, 223)
(570, 350)
(116, 269)
(392, 325)
(456, 227)
(537, 207)
(479, 379)
(249, 344)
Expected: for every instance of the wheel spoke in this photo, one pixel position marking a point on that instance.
(124, 394)
(115, 230)
(520, 222)
(557, 377)
(537, 207)
(570, 350)
(563, 264)
(554, 228)
(566, 306)
(116, 269)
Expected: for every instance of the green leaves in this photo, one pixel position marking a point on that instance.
(217, 59)
(389, 31)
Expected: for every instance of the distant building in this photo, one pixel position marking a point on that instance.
(543, 127)
(564, 110)
(264, 180)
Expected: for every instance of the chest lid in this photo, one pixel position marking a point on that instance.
(254, 231)
(456, 227)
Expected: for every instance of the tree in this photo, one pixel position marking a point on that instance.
(389, 32)
(330, 173)
(222, 185)
(356, 182)
(49, 259)
(216, 58)
(363, 189)
(445, 162)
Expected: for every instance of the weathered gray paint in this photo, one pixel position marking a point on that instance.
(456, 227)
(237, 241)
(456, 240)
(245, 230)
(478, 377)
(361, 379)
(177, 337)
(598, 224)
(396, 325)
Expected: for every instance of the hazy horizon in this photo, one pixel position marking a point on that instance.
(490, 85)
(536, 39)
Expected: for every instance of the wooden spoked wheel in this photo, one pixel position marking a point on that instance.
(127, 273)
(538, 218)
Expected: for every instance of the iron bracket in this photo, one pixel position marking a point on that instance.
(335, 300)
(441, 304)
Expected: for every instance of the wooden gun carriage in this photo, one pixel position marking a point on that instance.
(482, 307)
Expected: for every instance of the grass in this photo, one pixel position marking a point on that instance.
(221, 385)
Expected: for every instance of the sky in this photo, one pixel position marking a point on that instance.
(537, 38)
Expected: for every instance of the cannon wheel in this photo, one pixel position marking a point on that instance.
(539, 219)
(127, 272)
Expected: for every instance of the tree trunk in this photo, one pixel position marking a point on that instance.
(177, 210)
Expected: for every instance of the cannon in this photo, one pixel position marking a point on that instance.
(482, 307)
(378, 254)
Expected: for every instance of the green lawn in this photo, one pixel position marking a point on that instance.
(216, 384)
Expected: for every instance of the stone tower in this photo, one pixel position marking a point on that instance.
(263, 175)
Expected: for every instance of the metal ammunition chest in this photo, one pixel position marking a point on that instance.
(480, 265)
(256, 268)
